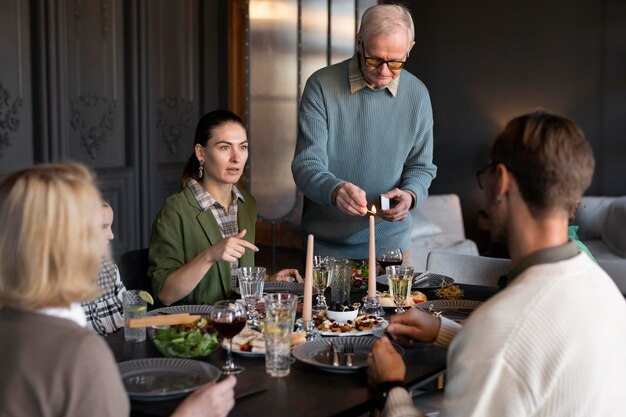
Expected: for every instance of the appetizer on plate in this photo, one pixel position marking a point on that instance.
(251, 341)
(363, 322)
(386, 300)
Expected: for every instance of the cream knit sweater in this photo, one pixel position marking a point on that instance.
(553, 343)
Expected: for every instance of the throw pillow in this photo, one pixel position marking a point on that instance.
(421, 226)
(614, 233)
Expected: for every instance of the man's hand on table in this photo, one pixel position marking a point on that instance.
(213, 400)
(413, 326)
(384, 364)
(350, 199)
(403, 200)
(288, 275)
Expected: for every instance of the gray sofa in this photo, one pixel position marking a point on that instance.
(602, 228)
(437, 225)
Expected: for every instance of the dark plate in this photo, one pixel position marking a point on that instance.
(318, 354)
(296, 288)
(158, 379)
(433, 281)
(203, 310)
(453, 309)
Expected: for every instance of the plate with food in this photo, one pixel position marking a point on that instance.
(360, 275)
(387, 303)
(320, 353)
(158, 379)
(456, 310)
(250, 342)
(361, 326)
(421, 282)
(185, 340)
(296, 288)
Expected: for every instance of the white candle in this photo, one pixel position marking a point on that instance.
(371, 281)
(308, 281)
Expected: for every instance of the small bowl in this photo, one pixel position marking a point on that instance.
(342, 316)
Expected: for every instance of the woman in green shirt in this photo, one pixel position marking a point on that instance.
(207, 229)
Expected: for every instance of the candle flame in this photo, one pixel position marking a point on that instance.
(373, 209)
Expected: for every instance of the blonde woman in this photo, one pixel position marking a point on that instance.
(50, 250)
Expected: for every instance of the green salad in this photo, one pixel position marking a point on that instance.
(186, 340)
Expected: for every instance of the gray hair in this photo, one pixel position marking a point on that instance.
(384, 19)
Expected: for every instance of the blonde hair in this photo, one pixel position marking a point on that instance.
(50, 239)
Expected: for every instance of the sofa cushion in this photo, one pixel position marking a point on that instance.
(614, 232)
(421, 226)
(591, 215)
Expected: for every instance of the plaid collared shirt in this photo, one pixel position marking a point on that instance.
(357, 82)
(105, 314)
(226, 218)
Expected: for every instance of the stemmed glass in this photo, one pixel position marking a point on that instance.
(251, 279)
(388, 257)
(229, 318)
(400, 279)
(322, 266)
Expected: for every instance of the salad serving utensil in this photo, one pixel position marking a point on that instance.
(163, 320)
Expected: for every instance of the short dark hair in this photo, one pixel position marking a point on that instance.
(549, 157)
(204, 130)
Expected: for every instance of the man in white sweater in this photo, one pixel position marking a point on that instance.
(552, 343)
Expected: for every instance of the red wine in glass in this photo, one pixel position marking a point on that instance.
(229, 318)
(388, 257)
(229, 329)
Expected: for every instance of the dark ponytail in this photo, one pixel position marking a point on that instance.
(204, 130)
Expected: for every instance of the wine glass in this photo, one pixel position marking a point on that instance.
(251, 280)
(322, 266)
(388, 256)
(229, 318)
(400, 279)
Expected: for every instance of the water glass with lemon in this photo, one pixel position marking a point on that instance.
(135, 303)
(280, 314)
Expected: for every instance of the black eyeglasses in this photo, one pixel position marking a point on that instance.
(480, 174)
(375, 62)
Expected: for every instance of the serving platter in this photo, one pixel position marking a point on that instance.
(158, 379)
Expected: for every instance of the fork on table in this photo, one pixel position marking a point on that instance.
(348, 351)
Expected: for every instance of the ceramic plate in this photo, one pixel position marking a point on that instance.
(191, 309)
(319, 354)
(157, 379)
(452, 309)
(296, 288)
(431, 283)
(243, 353)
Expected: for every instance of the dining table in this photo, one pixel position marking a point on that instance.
(307, 390)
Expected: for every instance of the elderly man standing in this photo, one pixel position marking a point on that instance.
(552, 342)
(365, 129)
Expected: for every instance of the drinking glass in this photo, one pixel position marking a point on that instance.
(280, 313)
(400, 279)
(229, 318)
(388, 256)
(322, 266)
(341, 277)
(251, 279)
(134, 307)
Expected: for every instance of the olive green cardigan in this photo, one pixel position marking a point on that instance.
(181, 231)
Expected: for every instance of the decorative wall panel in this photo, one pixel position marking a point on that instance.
(16, 139)
(93, 40)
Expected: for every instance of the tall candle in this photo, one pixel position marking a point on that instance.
(308, 281)
(371, 281)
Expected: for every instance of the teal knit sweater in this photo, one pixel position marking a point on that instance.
(371, 139)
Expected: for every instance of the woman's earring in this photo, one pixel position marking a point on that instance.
(201, 169)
